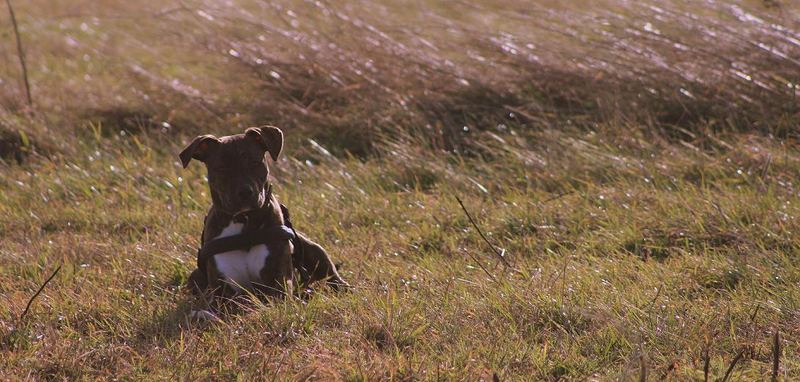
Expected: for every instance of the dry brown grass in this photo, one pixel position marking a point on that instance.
(350, 74)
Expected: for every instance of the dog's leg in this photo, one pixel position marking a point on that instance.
(317, 264)
(209, 293)
(221, 293)
(277, 272)
(198, 282)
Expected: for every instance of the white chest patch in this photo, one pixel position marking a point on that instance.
(241, 268)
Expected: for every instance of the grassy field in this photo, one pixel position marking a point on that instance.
(636, 162)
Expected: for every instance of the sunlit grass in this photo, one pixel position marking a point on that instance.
(633, 261)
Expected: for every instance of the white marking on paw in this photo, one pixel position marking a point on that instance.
(203, 315)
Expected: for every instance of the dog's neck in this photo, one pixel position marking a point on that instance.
(262, 217)
(268, 215)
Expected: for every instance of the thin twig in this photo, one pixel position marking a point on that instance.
(721, 213)
(481, 265)
(776, 354)
(474, 224)
(20, 53)
(733, 364)
(755, 312)
(41, 288)
(653, 302)
(643, 368)
(706, 364)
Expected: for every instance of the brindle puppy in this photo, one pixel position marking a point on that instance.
(242, 200)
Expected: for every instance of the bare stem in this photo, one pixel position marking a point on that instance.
(481, 265)
(474, 224)
(41, 288)
(21, 54)
(732, 366)
(776, 355)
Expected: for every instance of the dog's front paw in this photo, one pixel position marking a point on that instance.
(197, 282)
(339, 285)
(203, 316)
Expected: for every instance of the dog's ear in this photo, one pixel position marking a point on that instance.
(270, 137)
(198, 149)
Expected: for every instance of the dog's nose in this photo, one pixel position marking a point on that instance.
(245, 193)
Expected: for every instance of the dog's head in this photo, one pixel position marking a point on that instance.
(237, 166)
